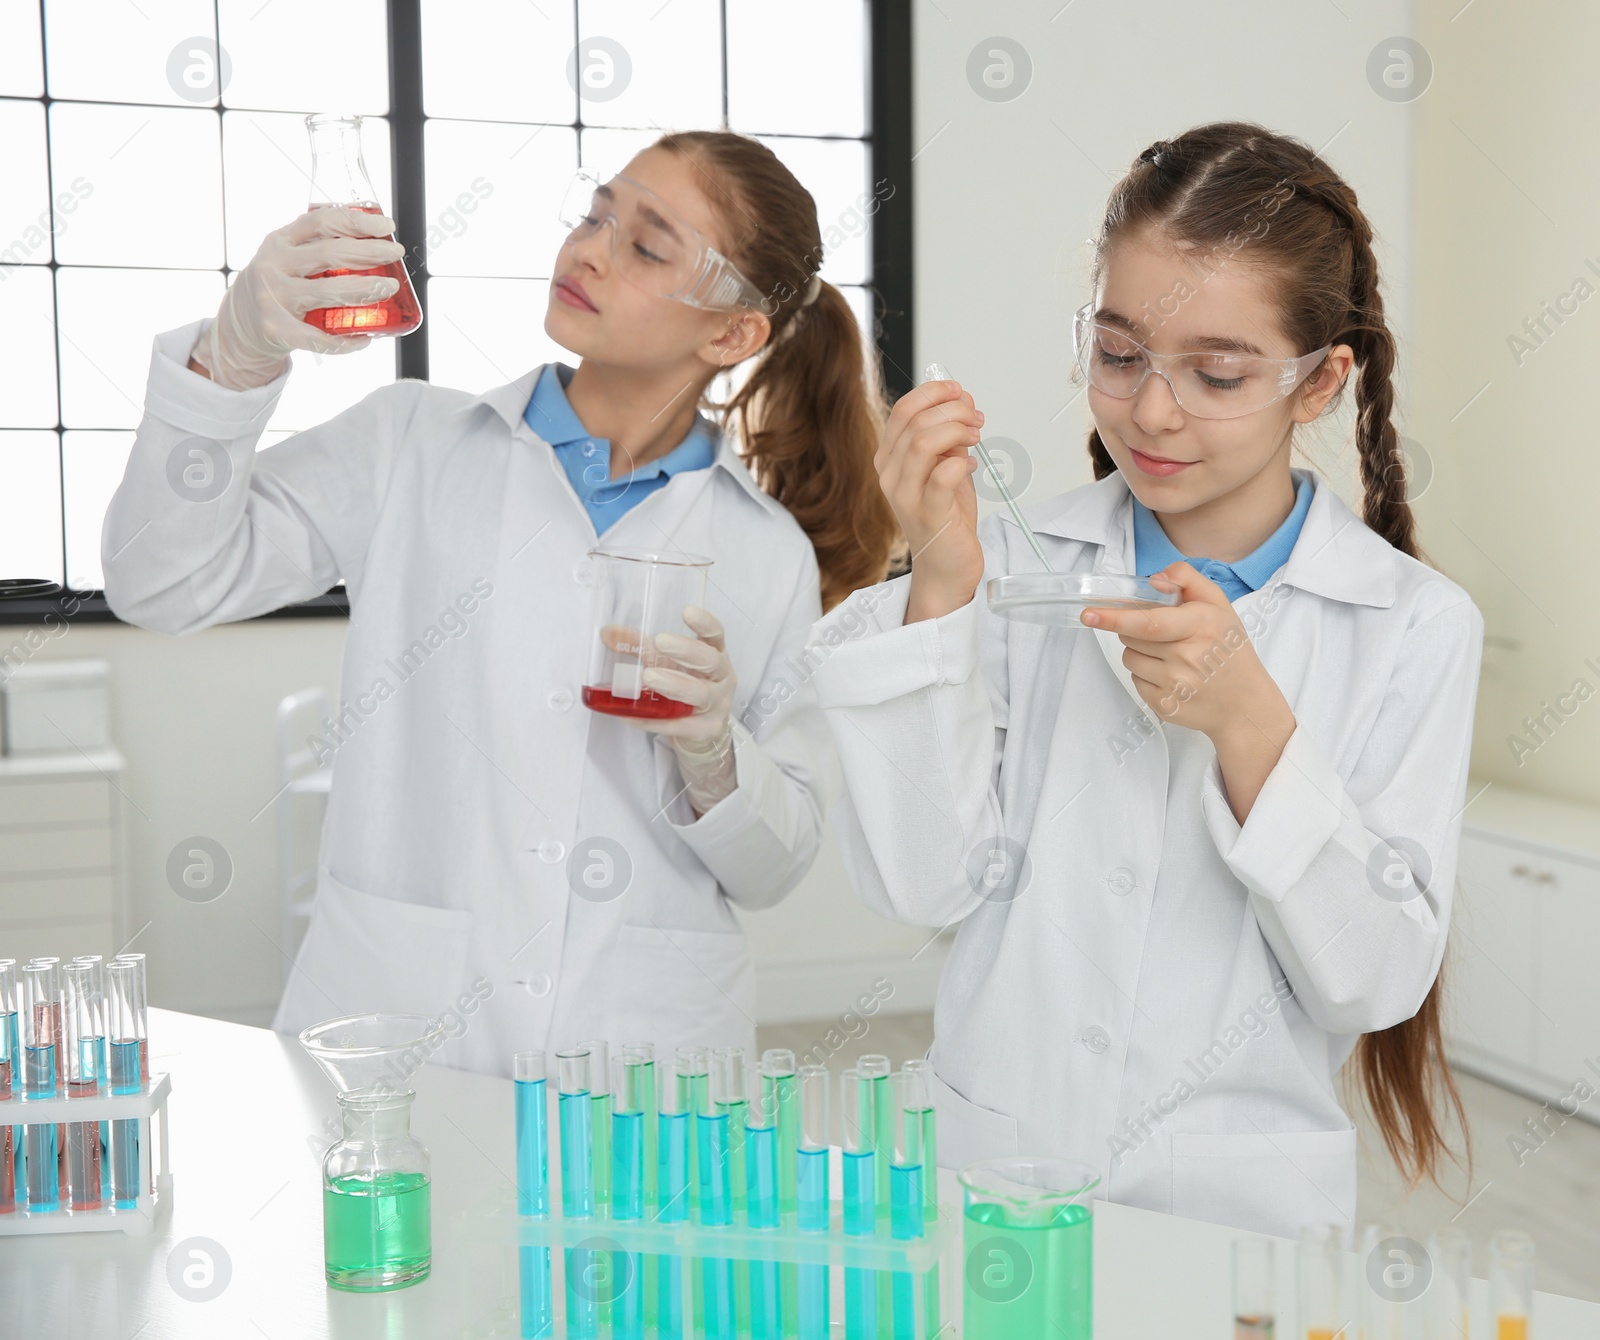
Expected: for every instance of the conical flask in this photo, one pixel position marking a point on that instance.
(339, 177)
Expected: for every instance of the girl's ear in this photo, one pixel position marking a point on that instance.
(1327, 383)
(746, 334)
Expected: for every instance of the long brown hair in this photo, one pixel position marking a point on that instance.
(1239, 192)
(810, 412)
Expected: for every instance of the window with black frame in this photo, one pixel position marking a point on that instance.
(147, 150)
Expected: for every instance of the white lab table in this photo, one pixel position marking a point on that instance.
(250, 1116)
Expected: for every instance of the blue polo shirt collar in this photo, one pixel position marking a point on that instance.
(1154, 551)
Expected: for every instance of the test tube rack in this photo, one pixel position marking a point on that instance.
(149, 1108)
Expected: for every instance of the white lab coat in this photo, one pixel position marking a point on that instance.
(1128, 1003)
(467, 774)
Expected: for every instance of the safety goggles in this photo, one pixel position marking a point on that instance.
(652, 246)
(1207, 385)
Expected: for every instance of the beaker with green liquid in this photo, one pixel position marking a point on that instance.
(376, 1213)
(1028, 1249)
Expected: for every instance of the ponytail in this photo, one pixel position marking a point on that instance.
(1238, 191)
(810, 413)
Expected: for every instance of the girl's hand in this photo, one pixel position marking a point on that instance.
(696, 670)
(1196, 666)
(926, 474)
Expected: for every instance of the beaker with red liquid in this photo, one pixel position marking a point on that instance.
(339, 178)
(637, 595)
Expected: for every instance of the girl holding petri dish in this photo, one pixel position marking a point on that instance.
(527, 854)
(1201, 856)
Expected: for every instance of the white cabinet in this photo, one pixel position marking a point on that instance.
(1522, 997)
(62, 887)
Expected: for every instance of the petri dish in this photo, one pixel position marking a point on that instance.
(1058, 597)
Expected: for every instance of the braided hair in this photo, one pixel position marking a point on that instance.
(1238, 191)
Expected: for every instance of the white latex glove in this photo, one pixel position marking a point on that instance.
(262, 316)
(695, 670)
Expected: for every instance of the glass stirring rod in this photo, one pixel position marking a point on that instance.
(937, 372)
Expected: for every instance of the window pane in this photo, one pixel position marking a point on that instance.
(108, 320)
(516, 177)
(805, 78)
(25, 201)
(835, 172)
(656, 64)
(322, 385)
(27, 350)
(150, 181)
(307, 55)
(267, 174)
(30, 506)
(92, 466)
(487, 332)
(126, 52)
(608, 151)
(497, 60)
(21, 64)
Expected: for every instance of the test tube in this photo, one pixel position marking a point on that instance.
(40, 1013)
(728, 1079)
(673, 1148)
(643, 1054)
(1254, 1307)
(930, 1144)
(1320, 1263)
(600, 1118)
(812, 1191)
(627, 1191)
(125, 1024)
(104, 1127)
(1511, 1269)
(761, 1168)
(778, 1070)
(84, 1019)
(51, 960)
(10, 1083)
(141, 1031)
(577, 1133)
(533, 1133)
(692, 1076)
(857, 1145)
(1451, 1287)
(712, 1125)
(877, 1070)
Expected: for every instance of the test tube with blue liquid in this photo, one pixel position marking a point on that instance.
(813, 1211)
(716, 1319)
(761, 1200)
(878, 1069)
(10, 1084)
(40, 1013)
(910, 1098)
(858, 1145)
(141, 1035)
(530, 1077)
(627, 1194)
(577, 1185)
(778, 1072)
(673, 1145)
(104, 1127)
(126, 1016)
(922, 1094)
(83, 1001)
(642, 1055)
(693, 1081)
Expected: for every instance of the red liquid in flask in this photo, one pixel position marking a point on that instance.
(398, 314)
(648, 704)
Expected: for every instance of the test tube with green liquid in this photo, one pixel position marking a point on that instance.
(778, 1072)
(878, 1069)
(674, 1142)
(717, 1317)
(573, 1074)
(642, 1056)
(627, 1194)
(761, 1166)
(600, 1119)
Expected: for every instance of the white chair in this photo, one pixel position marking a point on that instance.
(300, 773)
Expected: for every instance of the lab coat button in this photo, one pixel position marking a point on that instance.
(538, 985)
(1096, 1039)
(1122, 881)
(552, 851)
(560, 700)
(583, 570)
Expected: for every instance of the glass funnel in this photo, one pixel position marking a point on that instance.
(376, 1182)
(339, 178)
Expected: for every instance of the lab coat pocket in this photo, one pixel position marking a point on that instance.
(684, 986)
(969, 1133)
(363, 953)
(1266, 1182)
